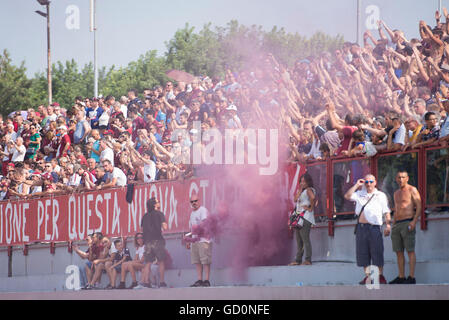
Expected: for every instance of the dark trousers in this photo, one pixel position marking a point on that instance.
(303, 242)
(369, 245)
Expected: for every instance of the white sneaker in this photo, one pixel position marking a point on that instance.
(138, 287)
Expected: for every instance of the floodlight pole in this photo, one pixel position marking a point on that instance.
(50, 96)
(93, 28)
(359, 6)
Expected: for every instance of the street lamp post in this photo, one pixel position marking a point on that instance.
(93, 28)
(46, 3)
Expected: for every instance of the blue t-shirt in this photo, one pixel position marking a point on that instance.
(161, 117)
(96, 147)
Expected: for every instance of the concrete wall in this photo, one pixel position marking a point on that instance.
(48, 270)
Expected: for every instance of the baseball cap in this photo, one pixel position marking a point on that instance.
(62, 128)
(232, 107)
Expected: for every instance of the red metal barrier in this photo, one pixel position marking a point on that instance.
(374, 168)
(71, 217)
(68, 218)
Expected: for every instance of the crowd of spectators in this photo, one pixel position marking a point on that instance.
(389, 94)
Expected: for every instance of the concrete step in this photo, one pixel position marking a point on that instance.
(318, 274)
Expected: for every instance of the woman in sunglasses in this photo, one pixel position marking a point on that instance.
(137, 264)
(371, 209)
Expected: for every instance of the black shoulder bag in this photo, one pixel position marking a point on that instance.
(361, 211)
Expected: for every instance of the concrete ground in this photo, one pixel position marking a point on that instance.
(338, 292)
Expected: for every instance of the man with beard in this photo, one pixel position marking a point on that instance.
(153, 222)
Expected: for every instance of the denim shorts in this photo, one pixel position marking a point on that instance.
(369, 245)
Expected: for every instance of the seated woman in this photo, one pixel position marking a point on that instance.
(137, 264)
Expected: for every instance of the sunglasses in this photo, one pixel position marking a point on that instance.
(369, 181)
(194, 201)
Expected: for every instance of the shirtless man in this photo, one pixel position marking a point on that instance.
(407, 210)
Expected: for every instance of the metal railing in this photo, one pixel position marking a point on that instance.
(424, 166)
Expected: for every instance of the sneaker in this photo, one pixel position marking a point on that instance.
(138, 287)
(382, 279)
(410, 280)
(147, 285)
(88, 287)
(206, 283)
(397, 281)
(162, 285)
(109, 287)
(199, 283)
(121, 286)
(133, 285)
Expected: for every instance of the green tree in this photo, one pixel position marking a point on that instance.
(234, 46)
(14, 85)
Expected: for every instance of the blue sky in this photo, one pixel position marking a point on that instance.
(127, 29)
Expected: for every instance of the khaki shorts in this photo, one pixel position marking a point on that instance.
(402, 238)
(201, 253)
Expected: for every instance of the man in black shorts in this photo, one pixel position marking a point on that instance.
(153, 222)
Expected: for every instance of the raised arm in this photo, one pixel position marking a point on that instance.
(330, 107)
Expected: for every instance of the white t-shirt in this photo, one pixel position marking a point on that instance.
(375, 209)
(196, 217)
(400, 135)
(57, 169)
(19, 153)
(7, 153)
(107, 154)
(140, 251)
(74, 180)
(53, 117)
(104, 119)
(36, 189)
(121, 177)
(304, 201)
(124, 110)
(149, 172)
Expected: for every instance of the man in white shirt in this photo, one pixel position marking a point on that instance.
(10, 131)
(369, 242)
(106, 152)
(201, 250)
(73, 179)
(233, 119)
(51, 115)
(18, 149)
(118, 178)
(149, 168)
